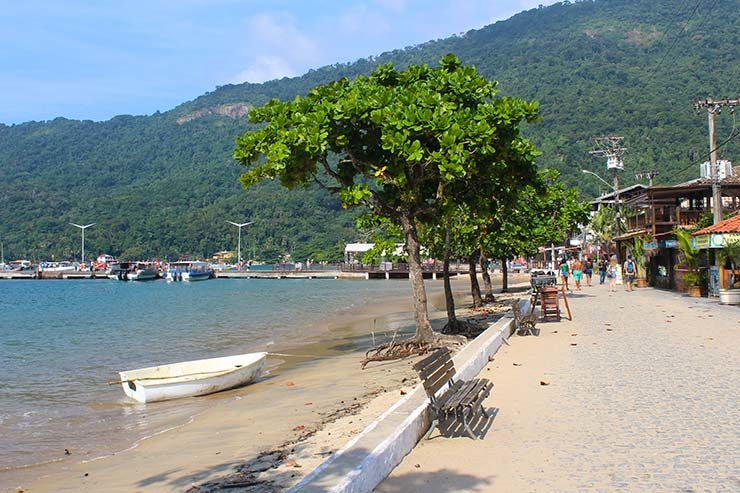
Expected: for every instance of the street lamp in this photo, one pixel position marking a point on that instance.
(83, 228)
(600, 178)
(239, 248)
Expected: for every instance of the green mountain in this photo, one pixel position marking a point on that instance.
(165, 184)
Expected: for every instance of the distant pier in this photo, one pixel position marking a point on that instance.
(346, 271)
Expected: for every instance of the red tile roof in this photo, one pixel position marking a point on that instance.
(731, 225)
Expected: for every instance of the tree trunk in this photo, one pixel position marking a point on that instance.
(487, 284)
(505, 276)
(474, 286)
(423, 326)
(449, 299)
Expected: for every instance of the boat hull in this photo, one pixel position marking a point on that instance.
(143, 275)
(188, 275)
(201, 377)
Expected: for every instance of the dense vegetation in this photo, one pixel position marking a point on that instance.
(159, 187)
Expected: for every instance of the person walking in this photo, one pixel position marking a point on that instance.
(588, 270)
(612, 275)
(602, 270)
(577, 273)
(564, 272)
(629, 269)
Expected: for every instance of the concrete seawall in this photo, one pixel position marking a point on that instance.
(367, 459)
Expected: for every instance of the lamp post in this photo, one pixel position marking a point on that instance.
(239, 247)
(83, 228)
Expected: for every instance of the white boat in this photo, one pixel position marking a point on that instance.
(143, 272)
(192, 378)
(57, 267)
(189, 271)
(133, 271)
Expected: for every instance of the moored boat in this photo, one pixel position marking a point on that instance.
(57, 267)
(192, 378)
(143, 271)
(189, 270)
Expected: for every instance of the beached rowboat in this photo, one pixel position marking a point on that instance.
(191, 378)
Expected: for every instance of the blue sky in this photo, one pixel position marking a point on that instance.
(96, 59)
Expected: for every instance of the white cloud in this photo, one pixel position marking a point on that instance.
(264, 68)
(276, 47)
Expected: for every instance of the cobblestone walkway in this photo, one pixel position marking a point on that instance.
(643, 394)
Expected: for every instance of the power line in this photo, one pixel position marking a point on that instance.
(707, 155)
(675, 41)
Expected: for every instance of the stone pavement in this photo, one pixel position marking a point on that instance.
(642, 394)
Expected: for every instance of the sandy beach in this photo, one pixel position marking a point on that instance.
(287, 422)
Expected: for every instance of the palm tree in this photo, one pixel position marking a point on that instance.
(602, 224)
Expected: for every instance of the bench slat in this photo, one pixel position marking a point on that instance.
(439, 380)
(460, 397)
(429, 371)
(439, 354)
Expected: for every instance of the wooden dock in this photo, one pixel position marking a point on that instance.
(279, 274)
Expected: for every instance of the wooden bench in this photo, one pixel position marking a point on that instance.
(461, 401)
(524, 324)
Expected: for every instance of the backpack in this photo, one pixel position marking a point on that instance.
(630, 267)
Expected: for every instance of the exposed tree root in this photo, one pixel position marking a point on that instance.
(411, 347)
(465, 328)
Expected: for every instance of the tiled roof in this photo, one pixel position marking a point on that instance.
(731, 225)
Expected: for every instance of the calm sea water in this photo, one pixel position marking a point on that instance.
(61, 341)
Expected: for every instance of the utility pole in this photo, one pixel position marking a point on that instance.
(646, 174)
(713, 107)
(612, 147)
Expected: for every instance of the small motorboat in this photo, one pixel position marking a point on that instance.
(143, 271)
(192, 378)
(189, 271)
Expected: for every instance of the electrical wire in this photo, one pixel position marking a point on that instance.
(709, 155)
(675, 41)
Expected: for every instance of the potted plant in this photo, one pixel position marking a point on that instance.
(729, 290)
(692, 279)
(638, 253)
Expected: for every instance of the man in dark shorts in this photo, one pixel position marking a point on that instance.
(630, 270)
(588, 270)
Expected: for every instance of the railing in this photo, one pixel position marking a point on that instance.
(667, 215)
(689, 217)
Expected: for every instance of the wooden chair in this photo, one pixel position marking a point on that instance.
(525, 324)
(460, 401)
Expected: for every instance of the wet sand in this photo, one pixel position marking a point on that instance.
(278, 423)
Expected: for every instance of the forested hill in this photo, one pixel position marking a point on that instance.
(165, 184)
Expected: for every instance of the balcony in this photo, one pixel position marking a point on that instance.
(666, 217)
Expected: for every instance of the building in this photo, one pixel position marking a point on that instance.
(653, 214)
(223, 256)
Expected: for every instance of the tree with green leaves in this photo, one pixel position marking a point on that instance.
(544, 212)
(398, 142)
(603, 224)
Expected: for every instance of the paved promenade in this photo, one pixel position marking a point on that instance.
(643, 394)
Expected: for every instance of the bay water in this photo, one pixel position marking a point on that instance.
(62, 341)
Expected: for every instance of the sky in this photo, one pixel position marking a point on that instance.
(95, 59)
